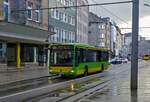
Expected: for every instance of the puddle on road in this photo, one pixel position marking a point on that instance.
(72, 89)
(118, 91)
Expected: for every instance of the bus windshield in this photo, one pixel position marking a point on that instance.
(146, 55)
(61, 56)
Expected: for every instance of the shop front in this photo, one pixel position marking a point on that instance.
(22, 49)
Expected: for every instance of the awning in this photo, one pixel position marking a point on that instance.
(13, 32)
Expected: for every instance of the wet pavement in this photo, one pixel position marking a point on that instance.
(9, 77)
(119, 89)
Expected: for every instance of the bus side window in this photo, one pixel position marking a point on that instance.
(104, 56)
(84, 59)
(79, 56)
(98, 58)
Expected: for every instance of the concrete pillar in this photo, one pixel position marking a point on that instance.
(18, 60)
(35, 55)
(134, 54)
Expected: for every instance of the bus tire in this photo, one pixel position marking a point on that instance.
(102, 67)
(86, 71)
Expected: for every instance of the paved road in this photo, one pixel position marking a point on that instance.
(119, 85)
(119, 89)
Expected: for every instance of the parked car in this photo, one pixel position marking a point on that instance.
(115, 61)
(124, 60)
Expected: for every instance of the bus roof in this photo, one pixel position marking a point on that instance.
(80, 45)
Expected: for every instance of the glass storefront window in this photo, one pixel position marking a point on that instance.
(1, 53)
(29, 54)
(1, 45)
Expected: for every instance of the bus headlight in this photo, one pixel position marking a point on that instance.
(50, 70)
(72, 71)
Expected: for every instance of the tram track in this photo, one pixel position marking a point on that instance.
(99, 86)
(34, 93)
(20, 96)
(81, 94)
(79, 97)
(22, 85)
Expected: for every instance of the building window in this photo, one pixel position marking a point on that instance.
(59, 35)
(102, 44)
(73, 4)
(30, 12)
(102, 35)
(1, 46)
(57, 14)
(62, 31)
(56, 35)
(1, 53)
(69, 2)
(65, 18)
(6, 10)
(29, 53)
(1, 50)
(73, 21)
(61, 14)
(103, 26)
(37, 15)
(52, 13)
(69, 36)
(69, 19)
(62, 1)
(52, 30)
(64, 35)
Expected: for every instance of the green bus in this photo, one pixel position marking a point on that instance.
(73, 59)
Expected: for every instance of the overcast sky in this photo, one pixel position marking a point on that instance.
(124, 12)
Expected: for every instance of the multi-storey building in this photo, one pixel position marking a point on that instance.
(94, 31)
(1, 10)
(25, 30)
(99, 31)
(82, 22)
(144, 48)
(62, 21)
(113, 38)
(105, 28)
(70, 24)
(126, 47)
(23, 35)
(118, 43)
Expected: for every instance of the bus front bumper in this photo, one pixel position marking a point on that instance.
(63, 74)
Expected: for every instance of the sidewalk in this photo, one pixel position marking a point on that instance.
(8, 77)
(119, 90)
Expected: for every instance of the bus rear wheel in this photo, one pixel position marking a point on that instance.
(86, 71)
(102, 67)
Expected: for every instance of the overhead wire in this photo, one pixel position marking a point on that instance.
(112, 13)
(76, 6)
